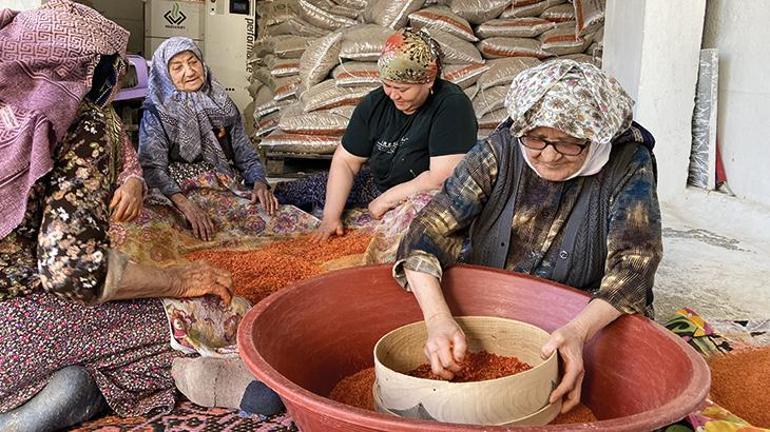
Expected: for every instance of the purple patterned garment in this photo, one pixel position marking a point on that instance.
(46, 71)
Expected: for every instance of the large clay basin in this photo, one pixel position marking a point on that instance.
(302, 340)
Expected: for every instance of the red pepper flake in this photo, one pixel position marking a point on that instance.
(259, 273)
(739, 384)
(578, 414)
(478, 366)
(356, 390)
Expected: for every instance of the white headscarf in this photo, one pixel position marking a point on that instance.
(576, 98)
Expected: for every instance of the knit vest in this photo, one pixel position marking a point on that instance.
(582, 244)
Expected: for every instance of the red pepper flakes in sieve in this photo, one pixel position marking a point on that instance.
(478, 366)
(259, 273)
(739, 384)
(356, 390)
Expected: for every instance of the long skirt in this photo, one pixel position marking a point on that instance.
(123, 344)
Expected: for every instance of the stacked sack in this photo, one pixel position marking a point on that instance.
(314, 60)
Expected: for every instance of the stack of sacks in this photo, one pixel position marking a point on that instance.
(315, 59)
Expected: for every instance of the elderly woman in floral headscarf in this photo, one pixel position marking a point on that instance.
(82, 327)
(192, 136)
(563, 190)
(411, 132)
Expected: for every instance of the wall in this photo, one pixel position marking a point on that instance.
(129, 14)
(739, 29)
(652, 47)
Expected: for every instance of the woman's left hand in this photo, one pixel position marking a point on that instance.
(569, 341)
(380, 205)
(127, 201)
(265, 197)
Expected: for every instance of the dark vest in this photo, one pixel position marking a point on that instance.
(582, 250)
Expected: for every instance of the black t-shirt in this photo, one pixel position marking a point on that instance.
(399, 146)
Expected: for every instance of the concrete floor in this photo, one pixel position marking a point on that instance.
(716, 257)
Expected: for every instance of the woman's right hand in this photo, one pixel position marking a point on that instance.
(446, 346)
(201, 224)
(328, 228)
(201, 278)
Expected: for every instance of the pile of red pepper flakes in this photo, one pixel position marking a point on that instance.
(478, 366)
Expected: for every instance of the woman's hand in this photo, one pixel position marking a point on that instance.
(264, 195)
(328, 228)
(380, 205)
(201, 278)
(568, 341)
(446, 346)
(201, 224)
(127, 201)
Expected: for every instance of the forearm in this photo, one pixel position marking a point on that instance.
(144, 281)
(427, 291)
(594, 317)
(338, 188)
(424, 182)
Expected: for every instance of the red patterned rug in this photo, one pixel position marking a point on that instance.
(190, 417)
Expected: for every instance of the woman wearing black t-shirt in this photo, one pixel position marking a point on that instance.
(411, 132)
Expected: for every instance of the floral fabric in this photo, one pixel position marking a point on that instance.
(409, 57)
(388, 231)
(576, 98)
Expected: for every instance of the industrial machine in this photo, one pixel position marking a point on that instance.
(168, 18)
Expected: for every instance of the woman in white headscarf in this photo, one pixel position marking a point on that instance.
(568, 181)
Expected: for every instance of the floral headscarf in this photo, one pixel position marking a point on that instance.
(410, 57)
(190, 118)
(576, 98)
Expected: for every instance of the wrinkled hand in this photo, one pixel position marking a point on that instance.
(327, 229)
(201, 224)
(201, 278)
(127, 201)
(446, 346)
(379, 206)
(569, 342)
(265, 197)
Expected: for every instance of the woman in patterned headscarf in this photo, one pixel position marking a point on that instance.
(191, 127)
(411, 132)
(577, 179)
(68, 348)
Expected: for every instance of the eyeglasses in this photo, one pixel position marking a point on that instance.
(561, 147)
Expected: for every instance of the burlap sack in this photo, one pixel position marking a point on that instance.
(287, 46)
(286, 88)
(442, 18)
(514, 27)
(478, 11)
(284, 68)
(280, 141)
(355, 74)
(489, 100)
(314, 123)
(502, 71)
(456, 50)
(321, 18)
(512, 47)
(529, 10)
(562, 40)
(560, 13)
(295, 26)
(491, 119)
(392, 14)
(327, 95)
(364, 42)
(589, 15)
(319, 59)
(464, 75)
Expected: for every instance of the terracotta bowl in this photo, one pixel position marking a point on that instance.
(304, 339)
(500, 401)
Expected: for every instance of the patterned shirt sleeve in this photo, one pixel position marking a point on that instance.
(130, 167)
(634, 246)
(246, 158)
(436, 235)
(154, 154)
